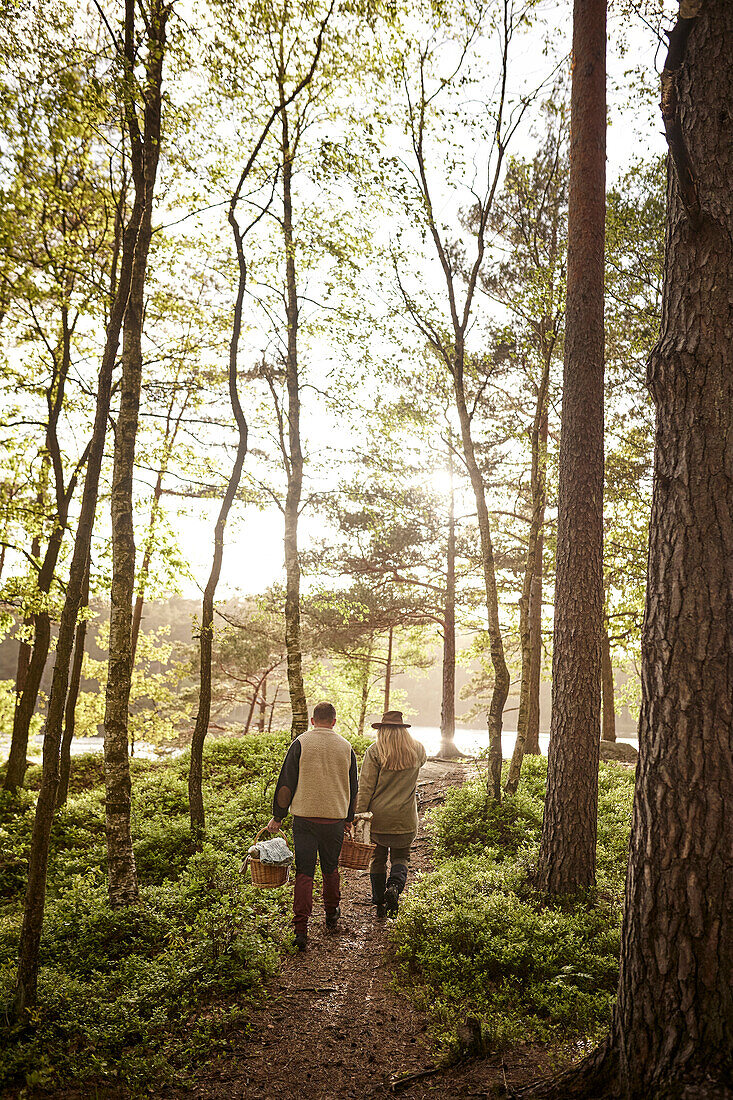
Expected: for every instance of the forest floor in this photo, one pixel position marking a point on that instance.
(333, 1025)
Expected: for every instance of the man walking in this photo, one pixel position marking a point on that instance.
(318, 783)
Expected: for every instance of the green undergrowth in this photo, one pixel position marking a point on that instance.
(138, 996)
(476, 941)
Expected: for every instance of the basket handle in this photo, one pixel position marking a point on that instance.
(264, 829)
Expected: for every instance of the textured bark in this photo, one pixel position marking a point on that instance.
(672, 1031)
(388, 669)
(569, 831)
(533, 565)
(608, 725)
(121, 874)
(30, 937)
(294, 452)
(674, 1018)
(72, 697)
(448, 696)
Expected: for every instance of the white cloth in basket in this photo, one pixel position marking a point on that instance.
(273, 851)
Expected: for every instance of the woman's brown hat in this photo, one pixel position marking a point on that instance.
(391, 718)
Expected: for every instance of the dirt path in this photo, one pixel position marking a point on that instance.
(334, 1027)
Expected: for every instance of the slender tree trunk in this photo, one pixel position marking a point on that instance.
(30, 937)
(121, 873)
(27, 692)
(195, 775)
(171, 431)
(25, 649)
(17, 758)
(365, 678)
(532, 747)
(251, 710)
(28, 697)
(262, 710)
(72, 697)
(498, 660)
(448, 698)
(295, 455)
(26, 987)
(272, 708)
(538, 481)
(388, 669)
(137, 611)
(26, 704)
(608, 731)
(568, 845)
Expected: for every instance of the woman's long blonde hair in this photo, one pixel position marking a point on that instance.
(397, 750)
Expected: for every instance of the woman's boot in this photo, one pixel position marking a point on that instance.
(379, 882)
(395, 886)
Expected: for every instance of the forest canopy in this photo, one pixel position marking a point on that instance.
(348, 350)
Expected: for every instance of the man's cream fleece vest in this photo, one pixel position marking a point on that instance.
(323, 776)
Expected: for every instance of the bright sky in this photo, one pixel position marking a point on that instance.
(253, 556)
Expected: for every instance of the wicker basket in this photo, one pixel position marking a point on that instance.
(354, 855)
(266, 875)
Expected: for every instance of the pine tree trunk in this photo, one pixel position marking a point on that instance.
(568, 846)
(72, 697)
(608, 727)
(532, 746)
(295, 455)
(262, 709)
(674, 1017)
(388, 669)
(672, 1031)
(538, 482)
(366, 675)
(30, 937)
(448, 697)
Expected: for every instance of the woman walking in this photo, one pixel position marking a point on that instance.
(388, 788)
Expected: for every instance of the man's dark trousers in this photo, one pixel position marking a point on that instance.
(314, 840)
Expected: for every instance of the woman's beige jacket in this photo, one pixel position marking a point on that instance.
(390, 795)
